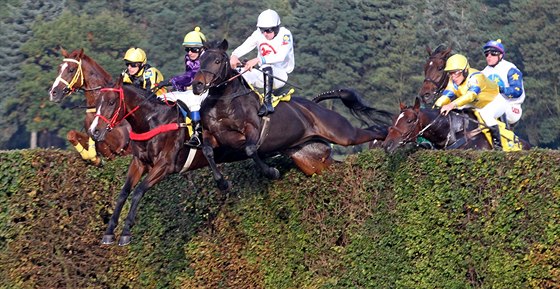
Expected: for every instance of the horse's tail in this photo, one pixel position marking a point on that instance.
(352, 100)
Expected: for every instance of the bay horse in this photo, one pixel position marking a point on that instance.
(435, 78)
(457, 130)
(299, 128)
(158, 134)
(80, 72)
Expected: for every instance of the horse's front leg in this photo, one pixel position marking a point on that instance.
(252, 135)
(135, 172)
(208, 152)
(155, 175)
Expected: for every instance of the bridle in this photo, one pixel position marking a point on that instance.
(408, 135)
(78, 76)
(216, 76)
(113, 120)
(440, 84)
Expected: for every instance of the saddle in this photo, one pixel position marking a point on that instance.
(461, 129)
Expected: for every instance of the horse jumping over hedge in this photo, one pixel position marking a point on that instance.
(299, 128)
(80, 72)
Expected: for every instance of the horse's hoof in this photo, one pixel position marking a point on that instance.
(108, 239)
(273, 173)
(224, 185)
(125, 240)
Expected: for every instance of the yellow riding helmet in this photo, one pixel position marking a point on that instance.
(135, 55)
(194, 38)
(456, 62)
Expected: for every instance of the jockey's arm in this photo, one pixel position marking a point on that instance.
(515, 80)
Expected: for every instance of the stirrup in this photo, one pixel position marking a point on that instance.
(265, 109)
(194, 141)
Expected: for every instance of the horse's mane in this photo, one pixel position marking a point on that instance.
(79, 54)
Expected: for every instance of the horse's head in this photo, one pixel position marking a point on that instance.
(70, 75)
(405, 128)
(214, 67)
(110, 108)
(435, 78)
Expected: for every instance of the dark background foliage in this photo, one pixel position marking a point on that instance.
(375, 47)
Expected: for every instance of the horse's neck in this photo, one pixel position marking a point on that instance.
(144, 115)
(433, 123)
(95, 77)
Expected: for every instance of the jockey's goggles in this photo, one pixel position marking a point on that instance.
(193, 49)
(133, 64)
(492, 52)
(267, 29)
(455, 72)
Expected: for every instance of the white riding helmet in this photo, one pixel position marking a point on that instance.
(268, 18)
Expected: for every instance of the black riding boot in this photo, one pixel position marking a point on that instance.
(196, 137)
(496, 138)
(267, 107)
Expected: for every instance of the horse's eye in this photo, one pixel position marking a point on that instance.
(112, 102)
(217, 61)
(410, 121)
(72, 70)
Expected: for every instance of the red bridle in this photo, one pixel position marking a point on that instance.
(114, 121)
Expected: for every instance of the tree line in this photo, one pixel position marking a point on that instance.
(375, 47)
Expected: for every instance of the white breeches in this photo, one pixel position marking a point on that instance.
(493, 110)
(256, 78)
(191, 100)
(513, 112)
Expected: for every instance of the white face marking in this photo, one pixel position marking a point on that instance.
(58, 78)
(401, 115)
(95, 121)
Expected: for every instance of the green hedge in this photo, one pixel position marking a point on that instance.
(430, 219)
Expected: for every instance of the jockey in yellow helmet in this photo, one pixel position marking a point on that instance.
(138, 72)
(468, 87)
(194, 47)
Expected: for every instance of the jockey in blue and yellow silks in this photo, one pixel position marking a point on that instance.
(508, 77)
(468, 87)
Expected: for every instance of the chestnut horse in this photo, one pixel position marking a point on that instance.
(457, 130)
(80, 72)
(435, 78)
(299, 128)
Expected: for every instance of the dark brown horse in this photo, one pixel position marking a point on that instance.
(80, 72)
(299, 128)
(435, 78)
(457, 130)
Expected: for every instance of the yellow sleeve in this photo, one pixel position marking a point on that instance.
(469, 97)
(156, 77)
(442, 100)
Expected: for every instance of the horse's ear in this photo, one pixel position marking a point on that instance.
(417, 103)
(224, 45)
(63, 52)
(448, 50)
(119, 82)
(402, 105)
(429, 50)
(80, 52)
